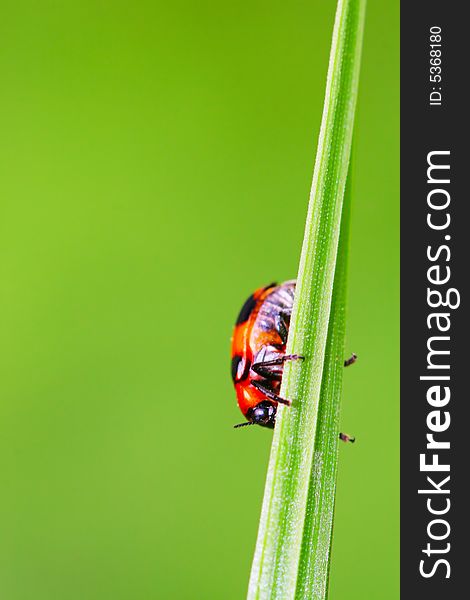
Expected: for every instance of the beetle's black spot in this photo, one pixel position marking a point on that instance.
(235, 362)
(246, 310)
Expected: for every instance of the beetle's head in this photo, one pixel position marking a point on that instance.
(263, 414)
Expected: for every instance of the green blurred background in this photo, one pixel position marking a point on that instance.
(156, 161)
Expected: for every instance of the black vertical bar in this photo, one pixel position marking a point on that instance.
(434, 118)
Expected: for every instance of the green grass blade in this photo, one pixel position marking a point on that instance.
(312, 580)
(278, 549)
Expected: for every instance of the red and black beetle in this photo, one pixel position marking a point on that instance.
(259, 353)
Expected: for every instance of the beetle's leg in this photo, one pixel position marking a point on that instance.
(344, 437)
(268, 373)
(269, 393)
(351, 360)
(292, 357)
(265, 369)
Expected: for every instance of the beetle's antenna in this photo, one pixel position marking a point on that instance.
(244, 424)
